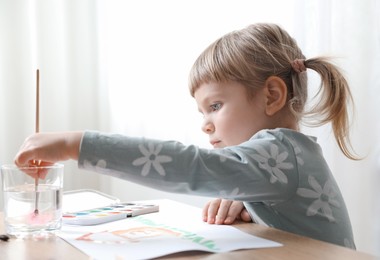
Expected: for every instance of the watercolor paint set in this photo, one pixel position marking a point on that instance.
(101, 215)
(91, 207)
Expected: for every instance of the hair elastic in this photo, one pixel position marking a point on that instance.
(298, 65)
(4, 238)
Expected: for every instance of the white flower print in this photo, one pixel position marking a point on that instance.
(297, 152)
(100, 165)
(273, 162)
(233, 194)
(222, 158)
(151, 157)
(220, 152)
(324, 198)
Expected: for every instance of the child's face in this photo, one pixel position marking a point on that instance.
(230, 117)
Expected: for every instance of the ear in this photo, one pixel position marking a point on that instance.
(276, 93)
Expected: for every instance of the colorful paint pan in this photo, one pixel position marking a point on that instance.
(107, 214)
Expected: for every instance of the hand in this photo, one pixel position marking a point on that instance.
(221, 211)
(48, 148)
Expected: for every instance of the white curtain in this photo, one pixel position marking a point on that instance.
(60, 38)
(122, 66)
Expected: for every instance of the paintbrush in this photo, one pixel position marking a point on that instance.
(37, 130)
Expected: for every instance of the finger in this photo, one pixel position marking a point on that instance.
(24, 156)
(31, 171)
(23, 159)
(244, 215)
(223, 210)
(29, 152)
(42, 172)
(36, 169)
(205, 211)
(213, 210)
(233, 212)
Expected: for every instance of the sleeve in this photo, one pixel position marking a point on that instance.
(257, 170)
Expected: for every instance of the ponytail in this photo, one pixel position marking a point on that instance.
(335, 99)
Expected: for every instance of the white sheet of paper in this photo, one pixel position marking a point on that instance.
(178, 228)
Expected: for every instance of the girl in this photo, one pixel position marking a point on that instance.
(251, 87)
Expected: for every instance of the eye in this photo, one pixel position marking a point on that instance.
(216, 106)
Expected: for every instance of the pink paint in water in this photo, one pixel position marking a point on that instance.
(39, 219)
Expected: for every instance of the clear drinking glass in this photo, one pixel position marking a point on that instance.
(32, 205)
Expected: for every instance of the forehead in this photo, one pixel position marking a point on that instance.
(219, 89)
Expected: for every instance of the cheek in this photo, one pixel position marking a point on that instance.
(234, 131)
(243, 131)
(242, 127)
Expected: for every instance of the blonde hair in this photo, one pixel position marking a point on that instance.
(253, 54)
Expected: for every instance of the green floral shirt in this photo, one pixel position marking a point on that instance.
(280, 175)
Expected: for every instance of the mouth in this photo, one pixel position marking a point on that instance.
(215, 144)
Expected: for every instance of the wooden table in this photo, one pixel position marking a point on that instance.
(294, 247)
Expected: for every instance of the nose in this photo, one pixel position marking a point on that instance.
(208, 127)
